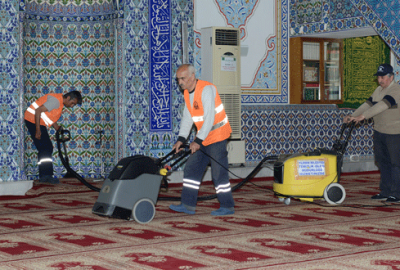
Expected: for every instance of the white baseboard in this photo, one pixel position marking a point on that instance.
(16, 188)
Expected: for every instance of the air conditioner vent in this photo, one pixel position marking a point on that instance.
(226, 37)
(231, 104)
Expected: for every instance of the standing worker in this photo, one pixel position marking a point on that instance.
(383, 106)
(203, 107)
(40, 115)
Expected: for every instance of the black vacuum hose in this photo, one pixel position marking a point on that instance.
(60, 137)
(64, 135)
(237, 186)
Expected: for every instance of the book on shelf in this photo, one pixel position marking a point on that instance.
(331, 73)
(311, 91)
(333, 92)
(311, 51)
(333, 54)
(311, 74)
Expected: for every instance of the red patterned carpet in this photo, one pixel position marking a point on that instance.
(52, 227)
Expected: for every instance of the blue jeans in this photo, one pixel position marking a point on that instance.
(387, 157)
(194, 172)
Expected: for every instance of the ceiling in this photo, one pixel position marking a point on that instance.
(352, 33)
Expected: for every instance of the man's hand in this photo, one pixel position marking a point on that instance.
(38, 134)
(346, 119)
(357, 119)
(194, 147)
(56, 126)
(177, 147)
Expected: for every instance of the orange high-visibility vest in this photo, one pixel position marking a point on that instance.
(47, 118)
(221, 129)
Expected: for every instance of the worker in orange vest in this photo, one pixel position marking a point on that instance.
(203, 107)
(41, 115)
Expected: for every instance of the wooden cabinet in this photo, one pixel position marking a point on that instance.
(316, 71)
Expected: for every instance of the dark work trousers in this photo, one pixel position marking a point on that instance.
(387, 155)
(194, 171)
(44, 147)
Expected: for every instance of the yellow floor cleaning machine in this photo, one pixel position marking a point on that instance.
(312, 175)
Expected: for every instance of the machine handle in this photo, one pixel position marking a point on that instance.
(172, 155)
(63, 135)
(341, 146)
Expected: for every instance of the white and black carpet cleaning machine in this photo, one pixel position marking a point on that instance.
(132, 187)
(313, 175)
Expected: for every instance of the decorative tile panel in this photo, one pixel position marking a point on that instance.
(320, 16)
(138, 137)
(383, 16)
(10, 141)
(271, 78)
(160, 65)
(64, 56)
(272, 130)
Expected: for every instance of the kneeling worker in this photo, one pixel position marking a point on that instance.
(39, 116)
(203, 107)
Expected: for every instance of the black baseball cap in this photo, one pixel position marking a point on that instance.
(383, 70)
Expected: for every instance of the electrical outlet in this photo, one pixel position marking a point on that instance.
(354, 158)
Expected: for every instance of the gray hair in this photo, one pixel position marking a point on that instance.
(190, 68)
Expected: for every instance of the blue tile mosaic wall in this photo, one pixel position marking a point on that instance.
(73, 49)
(74, 56)
(318, 16)
(384, 17)
(10, 131)
(139, 139)
(287, 129)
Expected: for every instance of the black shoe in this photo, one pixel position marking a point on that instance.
(378, 197)
(49, 179)
(42, 179)
(54, 180)
(392, 199)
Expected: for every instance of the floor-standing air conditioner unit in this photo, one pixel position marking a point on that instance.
(220, 65)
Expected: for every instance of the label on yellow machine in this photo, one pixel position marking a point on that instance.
(311, 168)
(307, 175)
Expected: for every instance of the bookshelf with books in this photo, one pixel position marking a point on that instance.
(316, 73)
(311, 91)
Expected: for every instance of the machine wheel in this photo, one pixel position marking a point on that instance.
(281, 199)
(287, 201)
(334, 193)
(143, 211)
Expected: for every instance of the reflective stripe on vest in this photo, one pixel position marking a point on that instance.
(220, 124)
(46, 118)
(201, 118)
